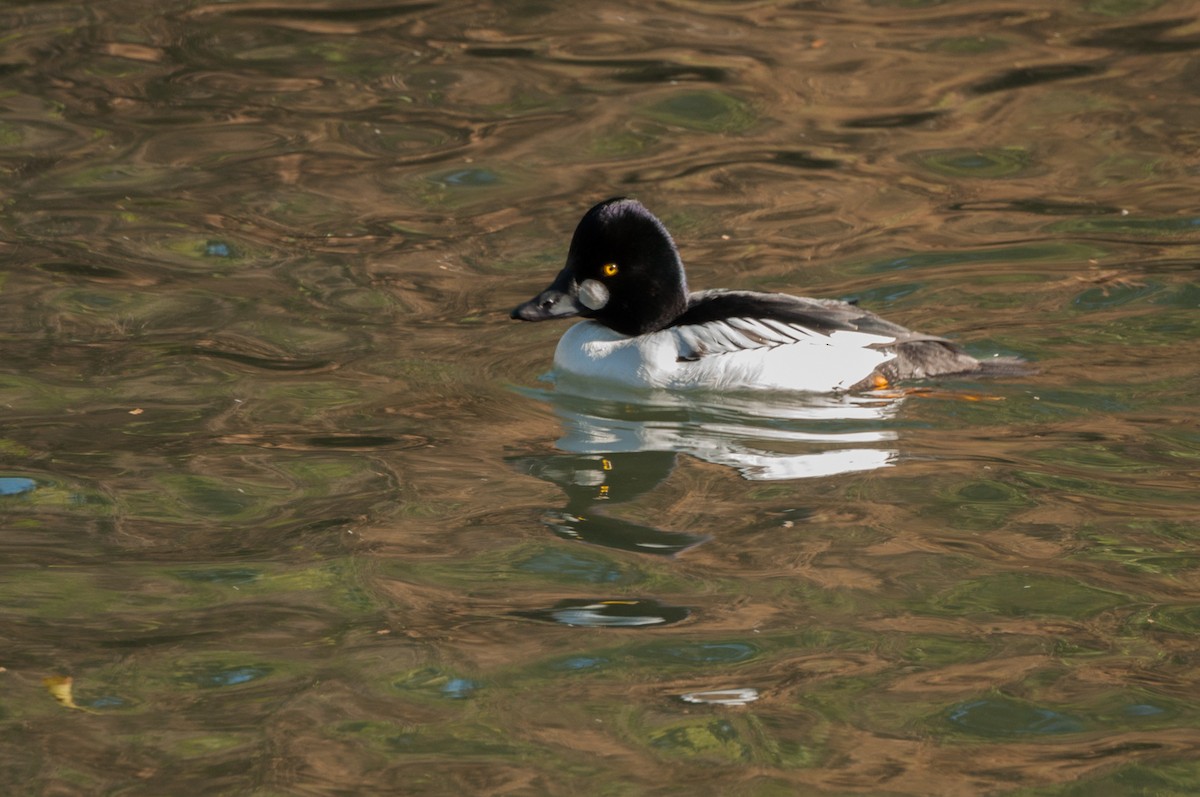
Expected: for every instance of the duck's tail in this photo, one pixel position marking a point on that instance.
(926, 357)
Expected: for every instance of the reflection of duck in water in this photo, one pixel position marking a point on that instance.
(764, 438)
(592, 481)
(622, 444)
(646, 330)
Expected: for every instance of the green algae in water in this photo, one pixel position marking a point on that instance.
(707, 111)
(1002, 717)
(572, 567)
(621, 143)
(1105, 457)
(1160, 779)
(11, 135)
(991, 163)
(468, 185)
(206, 496)
(966, 45)
(198, 746)
(436, 683)
(1153, 227)
(520, 564)
(217, 675)
(988, 498)
(939, 651)
(447, 742)
(221, 576)
(1180, 619)
(11, 448)
(45, 495)
(1026, 595)
(698, 653)
(579, 664)
(468, 177)
(1122, 8)
(704, 739)
(1050, 251)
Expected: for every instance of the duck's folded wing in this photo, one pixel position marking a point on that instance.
(720, 322)
(735, 334)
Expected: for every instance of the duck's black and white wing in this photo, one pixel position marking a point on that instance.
(725, 322)
(739, 334)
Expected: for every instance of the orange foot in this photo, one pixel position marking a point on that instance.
(927, 392)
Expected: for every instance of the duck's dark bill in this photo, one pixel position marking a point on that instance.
(550, 303)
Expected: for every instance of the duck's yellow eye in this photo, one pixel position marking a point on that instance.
(610, 269)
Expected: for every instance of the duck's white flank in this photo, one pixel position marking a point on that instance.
(732, 355)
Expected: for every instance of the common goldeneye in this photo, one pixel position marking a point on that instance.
(645, 330)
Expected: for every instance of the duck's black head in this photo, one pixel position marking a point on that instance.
(622, 270)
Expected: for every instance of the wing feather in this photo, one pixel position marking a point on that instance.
(722, 322)
(814, 316)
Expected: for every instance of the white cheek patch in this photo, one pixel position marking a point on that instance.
(593, 295)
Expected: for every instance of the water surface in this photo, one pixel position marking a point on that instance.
(286, 506)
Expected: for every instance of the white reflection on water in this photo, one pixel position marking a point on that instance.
(765, 437)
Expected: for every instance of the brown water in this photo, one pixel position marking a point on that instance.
(282, 494)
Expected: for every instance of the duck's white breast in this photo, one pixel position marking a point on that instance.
(815, 363)
(594, 351)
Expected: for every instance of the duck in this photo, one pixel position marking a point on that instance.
(642, 328)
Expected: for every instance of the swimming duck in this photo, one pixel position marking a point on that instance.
(644, 329)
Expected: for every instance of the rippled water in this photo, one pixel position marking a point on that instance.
(286, 509)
